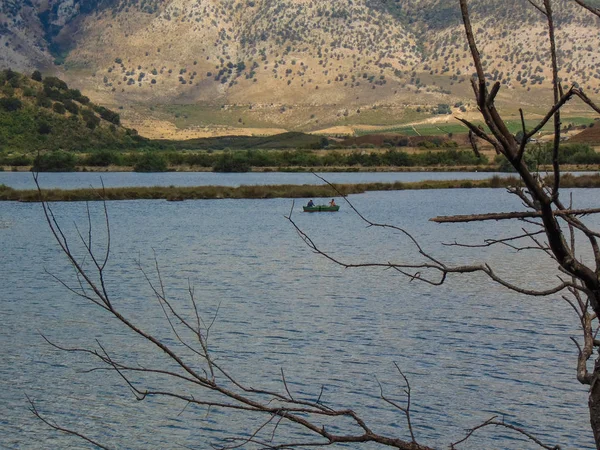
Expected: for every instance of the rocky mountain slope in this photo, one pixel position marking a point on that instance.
(273, 56)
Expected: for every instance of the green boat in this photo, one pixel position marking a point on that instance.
(321, 208)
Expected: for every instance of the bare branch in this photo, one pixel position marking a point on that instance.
(404, 409)
(511, 215)
(493, 422)
(474, 146)
(504, 241)
(57, 427)
(477, 131)
(286, 386)
(579, 93)
(538, 7)
(595, 11)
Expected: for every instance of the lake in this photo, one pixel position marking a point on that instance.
(73, 180)
(470, 349)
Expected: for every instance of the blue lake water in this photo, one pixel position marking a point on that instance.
(469, 348)
(72, 180)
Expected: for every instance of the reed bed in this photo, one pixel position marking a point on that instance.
(270, 191)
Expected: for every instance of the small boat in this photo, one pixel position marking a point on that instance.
(321, 208)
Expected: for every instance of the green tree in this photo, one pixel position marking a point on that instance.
(10, 104)
(44, 127)
(59, 108)
(71, 106)
(108, 115)
(55, 83)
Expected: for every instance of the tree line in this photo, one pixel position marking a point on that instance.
(239, 161)
(151, 160)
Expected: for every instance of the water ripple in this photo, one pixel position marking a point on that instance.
(468, 344)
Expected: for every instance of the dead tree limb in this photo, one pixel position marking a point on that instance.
(495, 423)
(512, 215)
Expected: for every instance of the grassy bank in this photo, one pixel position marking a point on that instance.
(261, 192)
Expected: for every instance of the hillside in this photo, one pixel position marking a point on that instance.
(44, 114)
(291, 64)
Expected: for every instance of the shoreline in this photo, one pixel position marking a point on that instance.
(173, 193)
(320, 169)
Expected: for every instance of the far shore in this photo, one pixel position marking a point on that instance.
(172, 193)
(296, 169)
(292, 169)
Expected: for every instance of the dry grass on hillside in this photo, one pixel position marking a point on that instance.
(303, 65)
(335, 53)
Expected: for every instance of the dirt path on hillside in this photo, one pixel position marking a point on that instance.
(351, 130)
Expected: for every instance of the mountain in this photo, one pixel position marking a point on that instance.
(296, 64)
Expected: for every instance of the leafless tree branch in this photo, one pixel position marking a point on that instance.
(512, 215)
(493, 422)
(55, 426)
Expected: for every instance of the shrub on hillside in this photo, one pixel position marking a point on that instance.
(71, 106)
(7, 91)
(44, 127)
(443, 108)
(73, 94)
(10, 104)
(43, 101)
(59, 108)
(15, 82)
(108, 115)
(55, 94)
(90, 119)
(7, 75)
(55, 83)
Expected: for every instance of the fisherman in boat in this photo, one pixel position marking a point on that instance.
(310, 204)
(332, 202)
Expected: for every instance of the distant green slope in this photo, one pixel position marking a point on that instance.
(44, 114)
